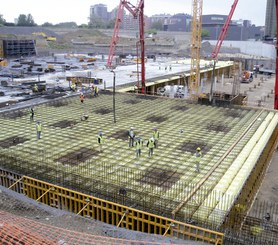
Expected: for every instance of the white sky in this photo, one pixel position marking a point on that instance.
(56, 11)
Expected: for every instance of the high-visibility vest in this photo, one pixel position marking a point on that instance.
(39, 127)
(150, 144)
(139, 144)
(96, 89)
(198, 156)
(131, 134)
(100, 140)
(156, 135)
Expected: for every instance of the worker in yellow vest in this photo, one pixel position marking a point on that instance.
(150, 145)
(38, 129)
(96, 91)
(138, 146)
(35, 89)
(156, 137)
(198, 156)
(100, 141)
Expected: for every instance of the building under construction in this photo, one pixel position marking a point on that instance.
(236, 144)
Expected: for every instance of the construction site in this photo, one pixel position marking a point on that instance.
(78, 177)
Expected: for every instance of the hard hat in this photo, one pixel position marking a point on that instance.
(100, 133)
(131, 127)
(155, 129)
(198, 149)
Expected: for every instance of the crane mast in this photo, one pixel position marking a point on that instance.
(196, 28)
(137, 12)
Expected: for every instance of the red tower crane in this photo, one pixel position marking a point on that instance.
(219, 42)
(276, 73)
(137, 12)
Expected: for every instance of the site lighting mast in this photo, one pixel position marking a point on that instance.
(219, 42)
(137, 12)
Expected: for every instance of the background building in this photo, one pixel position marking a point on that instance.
(270, 19)
(98, 15)
(239, 30)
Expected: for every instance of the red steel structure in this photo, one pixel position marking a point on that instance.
(219, 42)
(224, 31)
(137, 12)
(276, 73)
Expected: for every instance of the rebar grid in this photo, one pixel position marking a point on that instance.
(115, 173)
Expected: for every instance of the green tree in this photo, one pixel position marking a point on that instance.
(24, 20)
(2, 20)
(205, 33)
(111, 24)
(158, 25)
(67, 25)
(47, 24)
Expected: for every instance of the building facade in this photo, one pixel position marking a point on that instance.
(270, 19)
(240, 30)
(99, 15)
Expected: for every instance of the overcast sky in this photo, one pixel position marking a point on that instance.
(56, 11)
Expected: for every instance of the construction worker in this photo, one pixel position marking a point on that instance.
(198, 156)
(32, 114)
(73, 87)
(131, 137)
(96, 91)
(138, 145)
(256, 231)
(156, 137)
(38, 129)
(82, 97)
(100, 141)
(35, 88)
(150, 145)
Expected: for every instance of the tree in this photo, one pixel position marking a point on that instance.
(2, 20)
(47, 24)
(111, 24)
(158, 25)
(24, 20)
(67, 25)
(205, 33)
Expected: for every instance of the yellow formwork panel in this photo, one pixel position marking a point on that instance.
(105, 211)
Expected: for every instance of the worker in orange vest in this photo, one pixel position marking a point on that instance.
(82, 97)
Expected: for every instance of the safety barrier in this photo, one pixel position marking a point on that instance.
(105, 211)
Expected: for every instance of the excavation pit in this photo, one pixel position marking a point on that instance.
(180, 108)
(163, 178)
(12, 141)
(63, 124)
(156, 119)
(15, 114)
(218, 128)
(132, 102)
(191, 146)
(79, 156)
(103, 111)
(121, 134)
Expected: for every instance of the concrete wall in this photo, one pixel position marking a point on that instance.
(251, 47)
